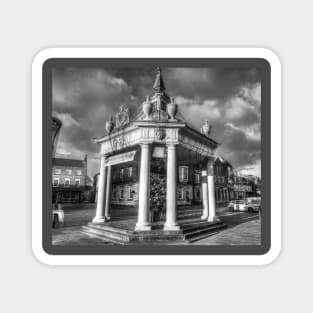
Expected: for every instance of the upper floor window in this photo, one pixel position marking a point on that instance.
(121, 173)
(57, 171)
(55, 182)
(67, 182)
(78, 172)
(77, 182)
(130, 172)
(183, 174)
(122, 193)
(68, 171)
(197, 178)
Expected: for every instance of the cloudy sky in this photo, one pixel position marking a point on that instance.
(230, 98)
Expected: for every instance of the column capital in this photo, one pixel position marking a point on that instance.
(171, 145)
(145, 144)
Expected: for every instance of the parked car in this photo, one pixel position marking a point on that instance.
(252, 204)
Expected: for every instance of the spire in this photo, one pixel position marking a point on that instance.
(158, 85)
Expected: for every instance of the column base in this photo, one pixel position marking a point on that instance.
(214, 219)
(142, 227)
(171, 227)
(100, 220)
(204, 217)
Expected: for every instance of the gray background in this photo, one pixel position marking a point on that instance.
(29, 26)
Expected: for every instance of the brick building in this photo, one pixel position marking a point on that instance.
(70, 182)
(242, 187)
(223, 175)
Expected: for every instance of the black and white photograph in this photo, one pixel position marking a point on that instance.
(156, 156)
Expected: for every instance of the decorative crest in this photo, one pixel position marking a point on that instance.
(122, 117)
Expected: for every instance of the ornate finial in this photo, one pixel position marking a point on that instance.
(206, 128)
(109, 125)
(159, 83)
(147, 108)
(172, 109)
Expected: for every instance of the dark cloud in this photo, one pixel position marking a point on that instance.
(230, 98)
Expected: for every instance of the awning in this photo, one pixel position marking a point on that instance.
(121, 158)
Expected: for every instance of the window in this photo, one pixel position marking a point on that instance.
(121, 173)
(130, 193)
(197, 178)
(55, 181)
(122, 193)
(77, 182)
(198, 195)
(114, 195)
(180, 194)
(67, 182)
(57, 171)
(183, 174)
(78, 172)
(187, 195)
(68, 172)
(130, 172)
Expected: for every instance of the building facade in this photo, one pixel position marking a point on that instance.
(125, 185)
(70, 182)
(223, 174)
(154, 162)
(246, 186)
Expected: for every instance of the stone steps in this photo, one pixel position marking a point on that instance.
(193, 230)
(182, 214)
(122, 236)
(198, 232)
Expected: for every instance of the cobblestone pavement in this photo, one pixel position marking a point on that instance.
(71, 236)
(248, 233)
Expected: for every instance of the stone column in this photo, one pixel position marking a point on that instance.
(144, 189)
(211, 191)
(171, 189)
(100, 214)
(108, 193)
(205, 200)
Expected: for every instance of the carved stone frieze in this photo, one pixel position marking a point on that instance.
(134, 135)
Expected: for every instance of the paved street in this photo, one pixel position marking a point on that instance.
(71, 236)
(248, 233)
(243, 228)
(79, 214)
